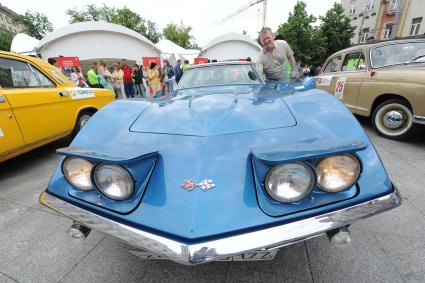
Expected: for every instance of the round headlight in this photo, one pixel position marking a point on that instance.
(289, 182)
(337, 173)
(77, 171)
(114, 181)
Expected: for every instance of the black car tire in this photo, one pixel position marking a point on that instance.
(82, 119)
(393, 119)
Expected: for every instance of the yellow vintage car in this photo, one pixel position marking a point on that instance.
(382, 80)
(39, 105)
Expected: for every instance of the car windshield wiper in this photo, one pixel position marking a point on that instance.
(416, 58)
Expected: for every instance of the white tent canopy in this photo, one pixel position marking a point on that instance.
(173, 52)
(231, 46)
(24, 44)
(91, 41)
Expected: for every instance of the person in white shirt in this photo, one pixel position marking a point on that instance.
(271, 60)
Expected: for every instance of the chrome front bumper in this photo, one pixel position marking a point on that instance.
(262, 240)
(419, 119)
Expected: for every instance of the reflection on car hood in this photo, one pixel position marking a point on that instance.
(216, 111)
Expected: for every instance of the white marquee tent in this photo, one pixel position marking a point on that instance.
(231, 46)
(91, 41)
(24, 44)
(173, 52)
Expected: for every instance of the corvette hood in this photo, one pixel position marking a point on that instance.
(216, 111)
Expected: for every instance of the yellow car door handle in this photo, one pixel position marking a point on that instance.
(63, 93)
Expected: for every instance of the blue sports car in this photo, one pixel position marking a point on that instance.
(228, 168)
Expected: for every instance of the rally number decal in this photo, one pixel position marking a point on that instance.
(339, 87)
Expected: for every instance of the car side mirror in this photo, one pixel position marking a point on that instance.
(252, 76)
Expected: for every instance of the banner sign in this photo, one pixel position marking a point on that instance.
(147, 61)
(67, 62)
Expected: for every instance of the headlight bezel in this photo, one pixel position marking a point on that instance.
(101, 191)
(353, 157)
(307, 166)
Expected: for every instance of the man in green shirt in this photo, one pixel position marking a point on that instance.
(92, 77)
(186, 65)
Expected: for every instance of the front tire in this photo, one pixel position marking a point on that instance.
(393, 119)
(82, 119)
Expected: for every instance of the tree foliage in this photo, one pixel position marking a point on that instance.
(180, 35)
(5, 40)
(312, 45)
(121, 16)
(34, 24)
(298, 32)
(334, 32)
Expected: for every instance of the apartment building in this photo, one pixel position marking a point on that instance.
(363, 15)
(6, 23)
(385, 19)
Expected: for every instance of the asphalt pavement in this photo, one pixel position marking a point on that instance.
(34, 245)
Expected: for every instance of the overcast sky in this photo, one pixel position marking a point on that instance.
(204, 16)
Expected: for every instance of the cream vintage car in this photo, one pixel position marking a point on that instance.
(384, 81)
(39, 105)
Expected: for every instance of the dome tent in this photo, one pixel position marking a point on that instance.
(231, 46)
(24, 44)
(91, 41)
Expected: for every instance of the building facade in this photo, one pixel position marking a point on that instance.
(385, 19)
(364, 16)
(6, 23)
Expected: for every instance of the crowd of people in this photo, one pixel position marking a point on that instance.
(129, 81)
(133, 81)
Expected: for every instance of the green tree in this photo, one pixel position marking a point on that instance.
(334, 32)
(180, 35)
(5, 40)
(298, 32)
(121, 16)
(34, 24)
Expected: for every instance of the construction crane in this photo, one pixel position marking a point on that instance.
(246, 6)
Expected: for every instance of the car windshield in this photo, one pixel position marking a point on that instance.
(394, 54)
(231, 74)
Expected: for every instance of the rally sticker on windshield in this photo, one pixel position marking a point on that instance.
(324, 80)
(80, 93)
(339, 87)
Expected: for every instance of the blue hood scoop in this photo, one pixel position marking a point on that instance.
(215, 114)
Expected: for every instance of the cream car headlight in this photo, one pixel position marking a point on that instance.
(78, 172)
(114, 181)
(289, 182)
(337, 173)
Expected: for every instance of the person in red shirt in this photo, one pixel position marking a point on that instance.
(127, 78)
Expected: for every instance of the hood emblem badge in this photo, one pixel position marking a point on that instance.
(205, 185)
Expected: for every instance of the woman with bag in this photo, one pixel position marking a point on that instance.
(117, 75)
(105, 77)
(77, 77)
(154, 79)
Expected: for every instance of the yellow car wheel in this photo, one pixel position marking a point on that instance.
(82, 119)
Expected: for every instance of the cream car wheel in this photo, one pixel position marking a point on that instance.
(393, 119)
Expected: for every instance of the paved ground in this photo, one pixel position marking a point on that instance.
(35, 248)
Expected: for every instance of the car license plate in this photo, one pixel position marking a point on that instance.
(252, 256)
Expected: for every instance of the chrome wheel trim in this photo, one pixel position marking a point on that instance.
(393, 119)
(83, 120)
